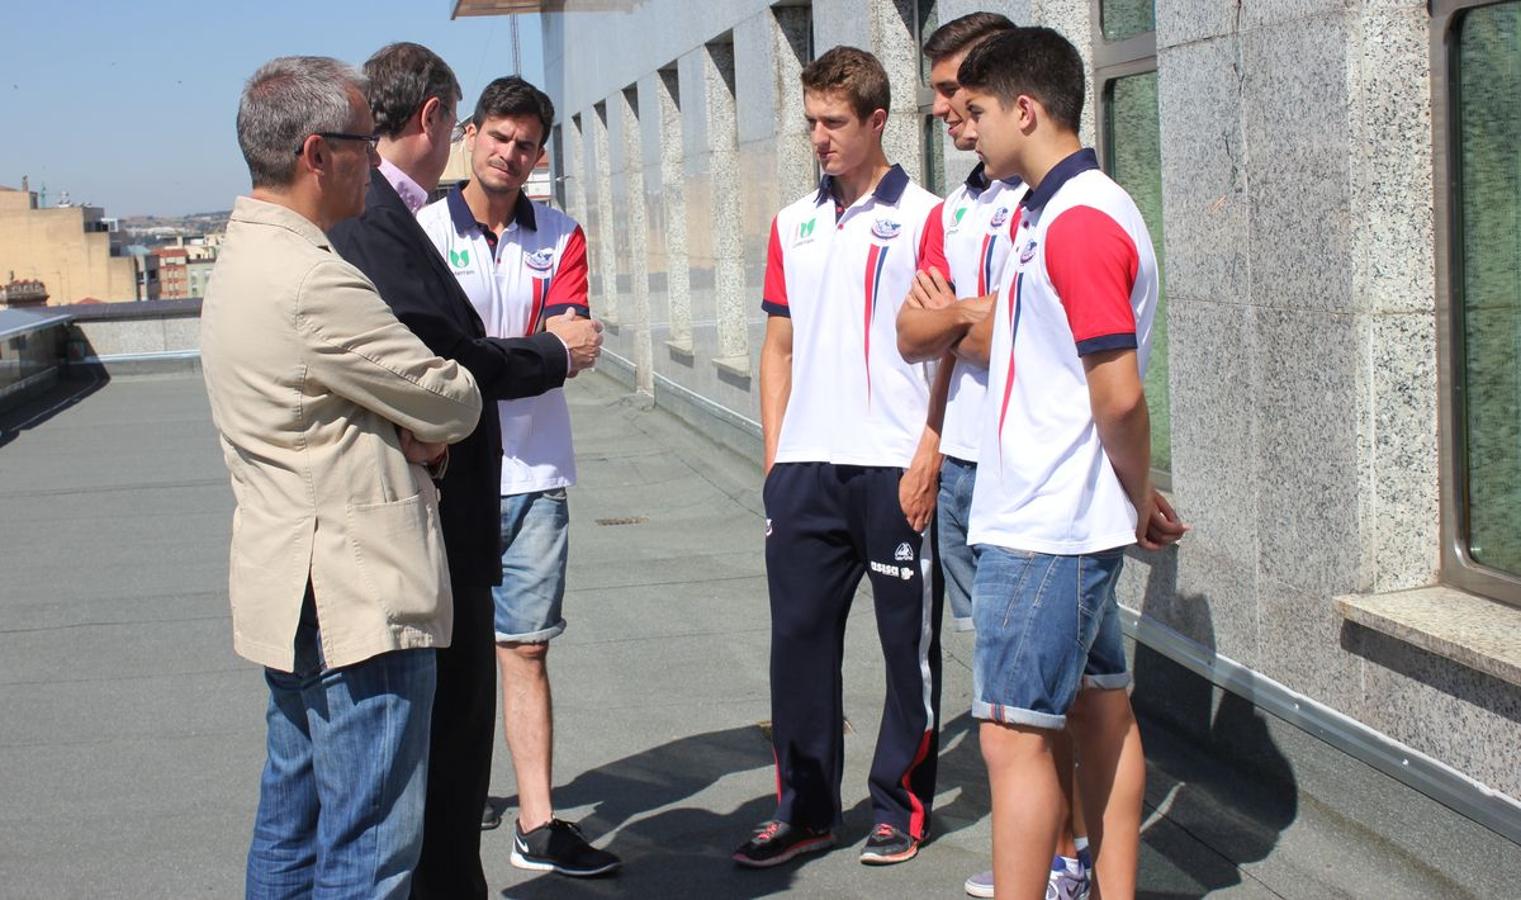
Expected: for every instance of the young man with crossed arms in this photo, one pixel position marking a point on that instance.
(1064, 466)
(973, 248)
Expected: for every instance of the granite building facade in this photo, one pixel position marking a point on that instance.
(1354, 568)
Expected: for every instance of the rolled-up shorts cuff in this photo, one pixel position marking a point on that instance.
(1115, 682)
(1013, 715)
(542, 636)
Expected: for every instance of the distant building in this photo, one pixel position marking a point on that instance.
(173, 273)
(72, 249)
(21, 294)
(147, 272)
(198, 272)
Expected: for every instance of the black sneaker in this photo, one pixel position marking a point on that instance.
(888, 845)
(776, 842)
(558, 846)
(490, 818)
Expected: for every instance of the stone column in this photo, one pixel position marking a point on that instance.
(634, 248)
(660, 93)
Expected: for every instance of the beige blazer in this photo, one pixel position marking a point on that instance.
(309, 376)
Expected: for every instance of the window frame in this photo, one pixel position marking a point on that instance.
(933, 178)
(1458, 567)
(1113, 60)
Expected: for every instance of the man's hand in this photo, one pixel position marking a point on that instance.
(975, 309)
(582, 337)
(930, 290)
(917, 489)
(1158, 525)
(419, 452)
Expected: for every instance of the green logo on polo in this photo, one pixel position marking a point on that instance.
(959, 213)
(805, 230)
(459, 258)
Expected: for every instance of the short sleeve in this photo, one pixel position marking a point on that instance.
(1092, 263)
(932, 243)
(567, 289)
(774, 291)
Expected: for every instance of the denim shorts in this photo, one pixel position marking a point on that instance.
(1047, 626)
(535, 548)
(959, 560)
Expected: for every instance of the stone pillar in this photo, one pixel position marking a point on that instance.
(633, 254)
(599, 180)
(712, 160)
(1300, 279)
(660, 94)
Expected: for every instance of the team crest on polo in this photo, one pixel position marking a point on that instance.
(459, 259)
(1028, 253)
(886, 229)
(540, 261)
(805, 231)
(956, 220)
(1000, 217)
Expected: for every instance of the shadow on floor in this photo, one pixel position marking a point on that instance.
(684, 851)
(1219, 791)
(64, 395)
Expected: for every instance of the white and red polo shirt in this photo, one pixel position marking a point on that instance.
(516, 281)
(1083, 280)
(973, 229)
(841, 274)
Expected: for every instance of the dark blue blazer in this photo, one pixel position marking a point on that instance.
(388, 245)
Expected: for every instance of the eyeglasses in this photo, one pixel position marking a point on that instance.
(372, 139)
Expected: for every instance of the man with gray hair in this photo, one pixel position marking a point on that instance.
(328, 410)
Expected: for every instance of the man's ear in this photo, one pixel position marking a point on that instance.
(429, 112)
(1028, 110)
(878, 120)
(543, 152)
(313, 154)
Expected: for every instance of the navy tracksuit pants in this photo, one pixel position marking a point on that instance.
(826, 526)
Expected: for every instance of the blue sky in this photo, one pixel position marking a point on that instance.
(131, 105)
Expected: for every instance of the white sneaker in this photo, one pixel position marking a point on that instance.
(1062, 885)
(980, 885)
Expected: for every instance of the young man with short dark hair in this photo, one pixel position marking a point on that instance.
(523, 264)
(850, 483)
(1063, 482)
(974, 249)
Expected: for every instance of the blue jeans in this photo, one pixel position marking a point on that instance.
(341, 799)
(958, 559)
(535, 549)
(1047, 626)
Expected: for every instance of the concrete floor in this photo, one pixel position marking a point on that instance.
(132, 736)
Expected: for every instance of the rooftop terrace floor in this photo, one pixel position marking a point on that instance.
(133, 737)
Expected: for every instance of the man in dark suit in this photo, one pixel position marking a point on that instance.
(413, 95)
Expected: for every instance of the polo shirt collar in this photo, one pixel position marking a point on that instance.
(977, 181)
(464, 219)
(889, 188)
(1060, 174)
